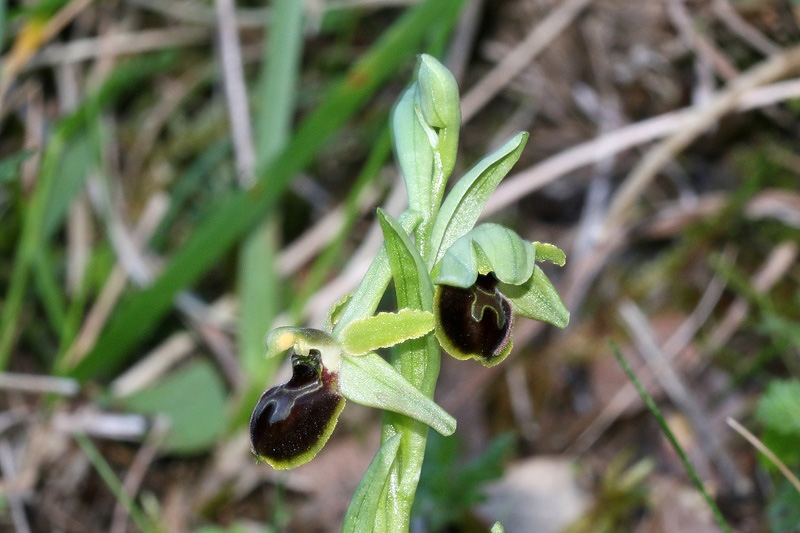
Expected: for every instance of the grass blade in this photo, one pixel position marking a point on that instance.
(259, 288)
(651, 404)
(240, 212)
(110, 478)
(124, 79)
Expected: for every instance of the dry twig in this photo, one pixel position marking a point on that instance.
(534, 44)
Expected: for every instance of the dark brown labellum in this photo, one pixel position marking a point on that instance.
(291, 422)
(474, 322)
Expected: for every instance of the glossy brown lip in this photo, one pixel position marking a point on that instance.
(477, 321)
(291, 419)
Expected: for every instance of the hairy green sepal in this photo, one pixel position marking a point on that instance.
(464, 204)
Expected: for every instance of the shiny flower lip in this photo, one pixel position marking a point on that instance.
(475, 322)
(482, 280)
(292, 422)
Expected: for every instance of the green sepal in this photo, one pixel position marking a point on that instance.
(371, 381)
(497, 527)
(550, 252)
(487, 248)
(466, 201)
(367, 296)
(363, 508)
(384, 330)
(413, 149)
(537, 299)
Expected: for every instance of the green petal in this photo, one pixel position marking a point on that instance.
(550, 252)
(371, 381)
(384, 330)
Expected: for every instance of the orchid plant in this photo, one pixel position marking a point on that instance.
(457, 287)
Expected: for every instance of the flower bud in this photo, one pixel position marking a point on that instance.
(438, 94)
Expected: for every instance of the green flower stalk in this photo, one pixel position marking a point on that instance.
(457, 287)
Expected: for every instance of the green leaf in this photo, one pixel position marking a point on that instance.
(779, 408)
(497, 527)
(234, 216)
(384, 330)
(363, 507)
(550, 252)
(193, 399)
(783, 511)
(786, 446)
(79, 159)
(369, 380)
(487, 248)
(537, 299)
(413, 150)
(466, 201)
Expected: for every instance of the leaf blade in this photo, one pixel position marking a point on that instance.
(363, 507)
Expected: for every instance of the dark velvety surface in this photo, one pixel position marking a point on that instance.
(290, 418)
(476, 320)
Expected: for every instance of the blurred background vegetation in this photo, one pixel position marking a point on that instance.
(178, 176)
